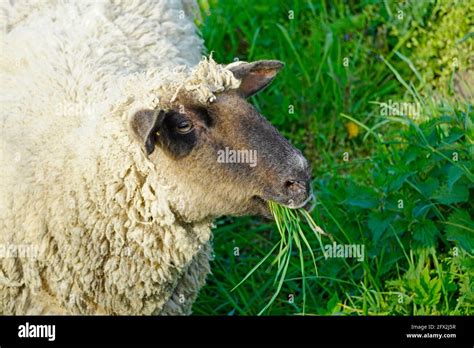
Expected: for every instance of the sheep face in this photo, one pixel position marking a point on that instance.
(223, 157)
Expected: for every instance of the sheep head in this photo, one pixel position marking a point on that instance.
(220, 156)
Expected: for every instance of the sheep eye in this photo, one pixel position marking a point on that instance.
(184, 127)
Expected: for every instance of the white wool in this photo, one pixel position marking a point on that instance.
(158, 88)
(75, 187)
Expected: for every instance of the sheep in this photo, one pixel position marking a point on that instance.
(110, 124)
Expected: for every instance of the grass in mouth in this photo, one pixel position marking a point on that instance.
(289, 223)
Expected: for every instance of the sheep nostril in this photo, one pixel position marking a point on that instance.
(289, 183)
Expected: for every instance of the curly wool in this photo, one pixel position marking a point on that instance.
(77, 190)
(158, 88)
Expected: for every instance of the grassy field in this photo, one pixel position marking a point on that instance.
(373, 93)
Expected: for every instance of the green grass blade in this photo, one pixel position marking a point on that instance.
(256, 267)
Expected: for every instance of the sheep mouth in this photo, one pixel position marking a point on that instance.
(261, 204)
(308, 204)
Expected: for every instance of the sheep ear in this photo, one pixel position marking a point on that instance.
(255, 76)
(145, 125)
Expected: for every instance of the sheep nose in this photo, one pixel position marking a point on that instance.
(296, 186)
(297, 192)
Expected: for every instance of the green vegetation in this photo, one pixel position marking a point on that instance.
(292, 237)
(400, 184)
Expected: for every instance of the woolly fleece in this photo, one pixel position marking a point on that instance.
(76, 190)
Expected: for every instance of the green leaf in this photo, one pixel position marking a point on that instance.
(425, 233)
(411, 153)
(427, 290)
(428, 187)
(378, 223)
(333, 304)
(454, 173)
(454, 135)
(399, 180)
(431, 135)
(460, 229)
(363, 197)
(422, 208)
(458, 193)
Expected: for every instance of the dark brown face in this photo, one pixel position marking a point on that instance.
(224, 156)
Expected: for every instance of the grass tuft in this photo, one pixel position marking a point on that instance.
(289, 225)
